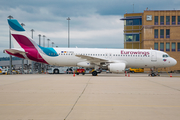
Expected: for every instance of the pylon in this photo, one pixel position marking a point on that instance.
(128, 74)
(74, 74)
(170, 74)
(125, 73)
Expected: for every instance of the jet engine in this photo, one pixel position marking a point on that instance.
(85, 64)
(117, 67)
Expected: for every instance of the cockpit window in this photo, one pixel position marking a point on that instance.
(165, 55)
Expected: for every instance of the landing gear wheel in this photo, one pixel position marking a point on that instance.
(153, 75)
(94, 73)
(56, 71)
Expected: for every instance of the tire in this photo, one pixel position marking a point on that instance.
(94, 73)
(77, 73)
(56, 71)
(152, 74)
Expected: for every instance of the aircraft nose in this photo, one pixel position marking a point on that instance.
(174, 62)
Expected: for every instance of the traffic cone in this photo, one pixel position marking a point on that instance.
(74, 74)
(170, 74)
(128, 74)
(125, 73)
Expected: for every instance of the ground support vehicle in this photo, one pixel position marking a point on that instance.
(57, 70)
(80, 71)
(136, 70)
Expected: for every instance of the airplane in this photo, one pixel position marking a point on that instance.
(115, 60)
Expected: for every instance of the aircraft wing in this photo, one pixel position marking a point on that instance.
(98, 61)
(92, 59)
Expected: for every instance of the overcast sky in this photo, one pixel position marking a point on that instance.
(93, 24)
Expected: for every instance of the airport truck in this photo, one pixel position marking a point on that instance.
(57, 70)
(80, 71)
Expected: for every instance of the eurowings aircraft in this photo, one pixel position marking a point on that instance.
(116, 60)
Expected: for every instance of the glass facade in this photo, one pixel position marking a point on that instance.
(156, 33)
(131, 22)
(131, 37)
(167, 20)
(173, 47)
(162, 20)
(168, 46)
(156, 46)
(161, 46)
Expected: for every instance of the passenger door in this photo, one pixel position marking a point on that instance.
(153, 56)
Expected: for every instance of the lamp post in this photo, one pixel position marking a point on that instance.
(32, 62)
(38, 56)
(44, 40)
(10, 17)
(52, 44)
(48, 41)
(32, 30)
(68, 31)
(39, 39)
(22, 24)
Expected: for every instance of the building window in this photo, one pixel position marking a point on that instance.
(155, 33)
(178, 46)
(167, 46)
(162, 20)
(162, 33)
(129, 22)
(178, 20)
(134, 22)
(167, 20)
(131, 37)
(161, 46)
(173, 46)
(156, 20)
(167, 33)
(156, 46)
(173, 20)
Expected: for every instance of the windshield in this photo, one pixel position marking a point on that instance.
(165, 55)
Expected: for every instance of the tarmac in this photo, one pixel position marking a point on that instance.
(87, 97)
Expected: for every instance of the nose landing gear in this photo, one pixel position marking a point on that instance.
(153, 73)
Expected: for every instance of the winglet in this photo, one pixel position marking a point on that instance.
(14, 24)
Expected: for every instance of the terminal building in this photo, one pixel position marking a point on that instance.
(156, 29)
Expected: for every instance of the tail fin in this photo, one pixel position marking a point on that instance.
(18, 32)
(24, 42)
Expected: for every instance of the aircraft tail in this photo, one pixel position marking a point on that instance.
(25, 45)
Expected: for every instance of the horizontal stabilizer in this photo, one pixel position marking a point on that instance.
(14, 51)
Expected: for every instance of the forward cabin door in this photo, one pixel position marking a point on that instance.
(153, 56)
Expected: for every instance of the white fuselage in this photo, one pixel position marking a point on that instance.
(141, 58)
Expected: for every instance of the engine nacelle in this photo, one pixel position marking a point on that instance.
(85, 64)
(117, 67)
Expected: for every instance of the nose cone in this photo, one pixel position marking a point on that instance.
(174, 62)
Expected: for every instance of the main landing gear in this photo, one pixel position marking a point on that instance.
(94, 73)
